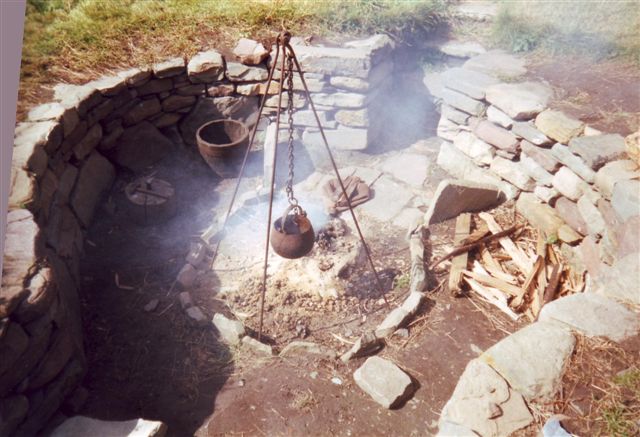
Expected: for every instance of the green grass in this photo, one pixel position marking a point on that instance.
(601, 29)
(620, 416)
(73, 40)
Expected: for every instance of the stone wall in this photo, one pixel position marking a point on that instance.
(65, 159)
(574, 183)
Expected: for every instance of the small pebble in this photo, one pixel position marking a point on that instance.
(313, 375)
(152, 305)
(241, 383)
(337, 381)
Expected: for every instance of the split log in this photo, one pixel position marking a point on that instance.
(523, 262)
(494, 297)
(459, 262)
(468, 247)
(482, 276)
(554, 281)
(494, 267)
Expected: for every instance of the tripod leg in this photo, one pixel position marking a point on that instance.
(335, 169)
(246, 153)
(273, 183)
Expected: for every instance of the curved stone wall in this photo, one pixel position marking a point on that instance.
(65, 158)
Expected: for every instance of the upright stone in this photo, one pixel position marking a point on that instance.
(95, 178)
(250, 52)
(453, 197)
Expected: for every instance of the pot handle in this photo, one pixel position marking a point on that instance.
(299, 211)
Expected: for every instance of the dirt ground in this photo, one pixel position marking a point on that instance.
(159, 366)
(604, 95)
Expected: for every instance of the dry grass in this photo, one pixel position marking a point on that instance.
(76, 40)
(601, 390)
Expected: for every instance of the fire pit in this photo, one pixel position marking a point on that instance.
(222, 144)
(151, 200)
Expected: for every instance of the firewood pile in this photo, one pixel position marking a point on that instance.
(514, 268)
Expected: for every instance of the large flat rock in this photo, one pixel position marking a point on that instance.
(591, 314)
(410, 168)
(385, 382)
(520, 101)
(484, 403)
(453, 197)
(498, 63)
(532, 359)
(469, 82)
(558, 126)
(597, 150)
(389, 198)
(621, 280)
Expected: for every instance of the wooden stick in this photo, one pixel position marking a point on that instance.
(529, 281)
(490, 281)
(494, 268)
(522, 261)
(550, 291)
(468, 247)
(491, 298)
(459, 262)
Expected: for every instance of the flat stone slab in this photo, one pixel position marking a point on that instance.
(520, 101)
(462, 49)
(481, 152)
(454, 197)
(388, 200)
(496, 136)
(591, 314)
(558, 126)
(597, 150)
(297, 348)
(512, 172)
(625, 199)
(340, 139)
(460, 166)
(569, 184)
(462, 102)
(569, 212)
(384, 382)
(496, 116)
(410, 168)
(620, 281)
(484, 403)
(540, 215)
(613, 172)
(541, 155)
(574, 162)
(532, 359)
(79, 426)
(535, 170)
(498, 63)
(468, 82)
(529, 133)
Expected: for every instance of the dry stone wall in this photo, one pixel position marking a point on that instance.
(576, 184)
(65, 158)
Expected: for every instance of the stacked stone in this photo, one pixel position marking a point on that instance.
(347, 86)
(65, 157)
(573, 182)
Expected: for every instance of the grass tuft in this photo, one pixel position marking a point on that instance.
(599, 29)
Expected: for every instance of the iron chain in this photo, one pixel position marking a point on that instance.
(289, 188)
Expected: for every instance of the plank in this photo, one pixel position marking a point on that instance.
(490, 297)
(459, 262)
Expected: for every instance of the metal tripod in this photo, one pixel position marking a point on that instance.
(283, 45)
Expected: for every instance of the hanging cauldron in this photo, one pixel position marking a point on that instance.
(292, 235)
